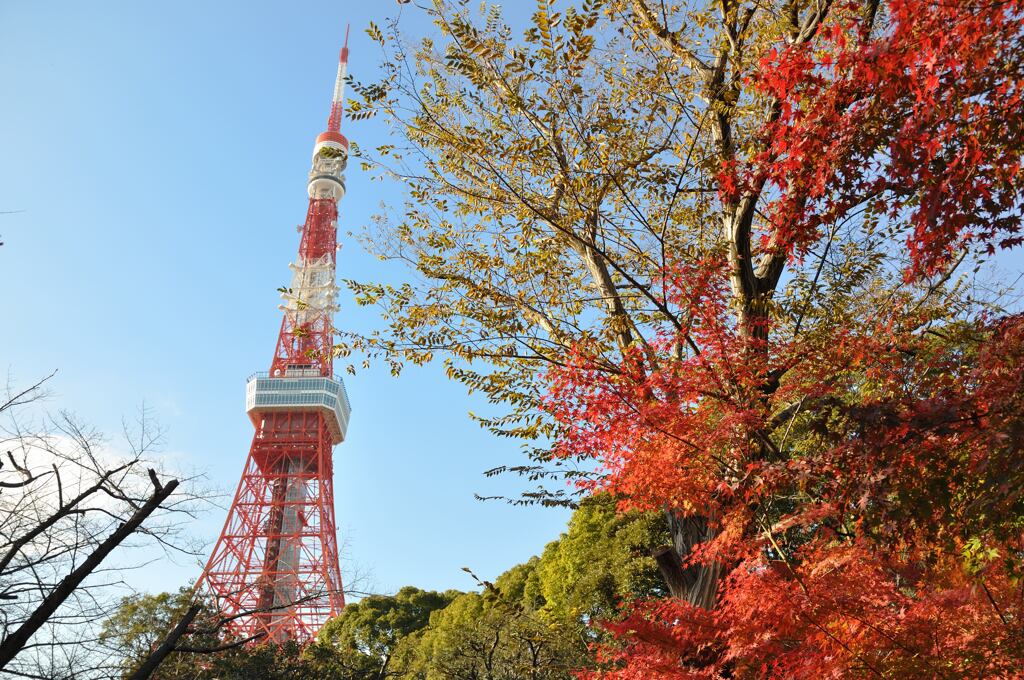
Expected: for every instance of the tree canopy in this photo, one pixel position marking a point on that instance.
(371, 637)
(734, 257)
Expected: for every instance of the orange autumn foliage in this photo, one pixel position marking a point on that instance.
(866, 481)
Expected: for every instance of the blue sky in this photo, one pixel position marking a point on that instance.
(157, 153)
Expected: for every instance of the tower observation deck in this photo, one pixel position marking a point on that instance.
(274, 569)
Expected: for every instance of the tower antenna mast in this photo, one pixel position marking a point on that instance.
(338, 100)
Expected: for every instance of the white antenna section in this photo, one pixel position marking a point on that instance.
(313, 295)
(339, 83)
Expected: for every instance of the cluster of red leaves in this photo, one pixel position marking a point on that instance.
(622, 418)
(845, 619)
(885, 539)
(923, 121)
(869, 503)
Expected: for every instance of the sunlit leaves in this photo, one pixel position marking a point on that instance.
(712, 252)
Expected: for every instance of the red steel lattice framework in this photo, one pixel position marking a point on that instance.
(274, 569)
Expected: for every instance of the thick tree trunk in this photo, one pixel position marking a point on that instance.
(13, 643)
(698, 584)
(170, 642)
(670, 565)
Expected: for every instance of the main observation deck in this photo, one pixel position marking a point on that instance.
(300, 390)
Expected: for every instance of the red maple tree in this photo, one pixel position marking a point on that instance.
(864, 482)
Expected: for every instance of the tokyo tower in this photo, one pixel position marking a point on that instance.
(274, 569)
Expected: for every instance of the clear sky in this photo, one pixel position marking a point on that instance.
(157, 153)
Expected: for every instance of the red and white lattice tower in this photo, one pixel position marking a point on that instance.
(275, 565)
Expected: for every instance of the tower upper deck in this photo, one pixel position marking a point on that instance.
(300, 390)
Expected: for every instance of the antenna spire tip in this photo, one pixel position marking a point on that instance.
(344, 48)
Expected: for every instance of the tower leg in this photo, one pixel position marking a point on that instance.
(275, 564)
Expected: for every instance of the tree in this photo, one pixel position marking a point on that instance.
(371, 638)
(66, 504)
(716, 248)
(600, 562)
(498, 635)
(534, 620)
(142, 621)
(525, 164)
(267, 661)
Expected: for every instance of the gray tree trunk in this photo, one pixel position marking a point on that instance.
(697, 584)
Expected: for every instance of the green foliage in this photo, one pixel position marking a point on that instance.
(266, 662)
(143, 621)
(602, 559)
(371, 637)
(534, 621)
(493, 636)
(140, 624)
